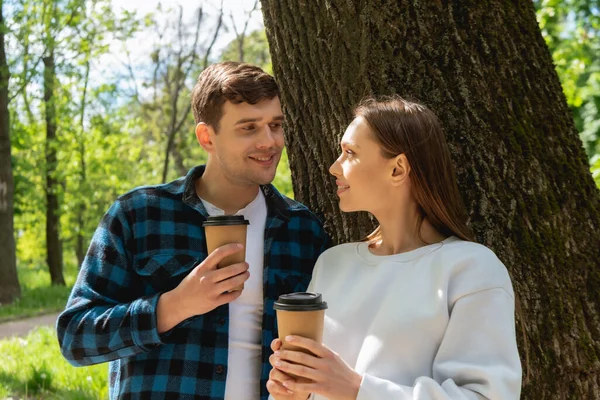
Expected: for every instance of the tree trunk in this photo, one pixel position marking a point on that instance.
(53, 242)
(9, 281)
(485, 70)
(81, 207)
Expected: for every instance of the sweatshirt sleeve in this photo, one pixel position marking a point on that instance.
(100, 322)
(477, 358)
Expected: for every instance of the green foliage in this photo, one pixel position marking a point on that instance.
(40, 378)
(92, 133)
(256, 50)
(283, 179)
(571, 29)
(33, 366)
(37, 295)
(595, 168)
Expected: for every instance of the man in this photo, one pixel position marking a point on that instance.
(149, 298)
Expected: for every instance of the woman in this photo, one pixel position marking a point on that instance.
(417, 310)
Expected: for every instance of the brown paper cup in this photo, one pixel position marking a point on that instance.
(308, 324)
(300, 314)
(220, 235)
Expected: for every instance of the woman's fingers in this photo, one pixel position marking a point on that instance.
(279, 376)
(275, 344)
(316, 348)
(275, 383)
(296, 357)
(277, 389)
(296, 369)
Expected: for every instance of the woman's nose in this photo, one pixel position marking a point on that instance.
(334, 169)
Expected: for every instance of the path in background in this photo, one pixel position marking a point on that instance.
(22, 327)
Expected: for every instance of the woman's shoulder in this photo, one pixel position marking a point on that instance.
(466, 249)
(474, 267)
(341, 250)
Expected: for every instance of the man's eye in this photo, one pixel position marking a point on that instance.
(275, 126)
(249, 128)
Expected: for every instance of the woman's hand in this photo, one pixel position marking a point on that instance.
(276, 378)
(330, 375)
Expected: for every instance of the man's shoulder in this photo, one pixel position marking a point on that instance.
(294, 207)
(153, 194)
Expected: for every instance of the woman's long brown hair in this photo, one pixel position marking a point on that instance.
(401, 126)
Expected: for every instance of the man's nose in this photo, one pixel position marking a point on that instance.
(267, 138)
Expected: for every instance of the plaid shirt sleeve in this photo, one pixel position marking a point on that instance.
(100, 323)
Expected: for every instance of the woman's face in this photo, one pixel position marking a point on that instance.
(363, 175)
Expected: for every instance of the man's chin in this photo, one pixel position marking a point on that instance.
(260, 179)
(266, 181)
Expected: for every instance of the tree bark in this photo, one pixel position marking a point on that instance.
(9, 281)
(485, 70)
(54, 255)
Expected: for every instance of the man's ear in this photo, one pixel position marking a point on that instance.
(204, 135)
(400, 169)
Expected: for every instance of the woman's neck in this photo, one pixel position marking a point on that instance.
(403, 230)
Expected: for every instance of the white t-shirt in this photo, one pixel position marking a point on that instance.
(433, 323)
(245, 313)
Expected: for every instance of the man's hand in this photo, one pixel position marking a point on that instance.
(204, 289)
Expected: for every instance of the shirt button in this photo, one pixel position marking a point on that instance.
(221, 321)
(219, 369)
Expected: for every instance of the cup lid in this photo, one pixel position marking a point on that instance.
(300, 301)
(221, 220)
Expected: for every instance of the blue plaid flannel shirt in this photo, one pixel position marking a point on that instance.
(147, 242)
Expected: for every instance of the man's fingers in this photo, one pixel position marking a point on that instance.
(232, 283)
(229, 297)
(214, 258)
(227, 272)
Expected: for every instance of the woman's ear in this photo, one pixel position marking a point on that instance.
(400, 169)
(204, 136)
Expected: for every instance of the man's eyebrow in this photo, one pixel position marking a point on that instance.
(246, 120)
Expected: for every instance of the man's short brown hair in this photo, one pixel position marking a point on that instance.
(233, 81)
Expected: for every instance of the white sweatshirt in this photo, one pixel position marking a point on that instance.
(433, 323)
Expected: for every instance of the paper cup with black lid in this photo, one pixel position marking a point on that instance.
(300, 314)
(225, 229)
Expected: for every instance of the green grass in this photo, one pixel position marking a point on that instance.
(37, 295)
(33, 368)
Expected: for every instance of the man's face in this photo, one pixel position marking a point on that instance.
(249, 142)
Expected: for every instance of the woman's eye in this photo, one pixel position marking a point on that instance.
(349, 152)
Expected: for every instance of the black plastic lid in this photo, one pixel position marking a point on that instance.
(224, 220)
(300, 301)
